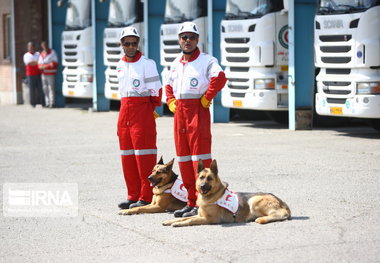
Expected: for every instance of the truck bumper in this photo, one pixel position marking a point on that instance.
(77, 90)
(360, 106)
(256, 100)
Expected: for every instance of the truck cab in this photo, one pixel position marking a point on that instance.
(347, 54)
(177, 12)
(122, 13)
(77, 58)
(254, 50)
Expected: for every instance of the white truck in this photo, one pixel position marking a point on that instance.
(77, 45)
(177, 12)
(347, 52)
(122, 13)
(254, 50)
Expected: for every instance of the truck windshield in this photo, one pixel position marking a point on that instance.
(345, 6)
(243, 9)
(77, 18)
(178, 11)
(125, 13)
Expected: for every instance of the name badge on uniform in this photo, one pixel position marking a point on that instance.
(229, 201)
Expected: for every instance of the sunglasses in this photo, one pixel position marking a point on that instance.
(185, 37)
(127, 44)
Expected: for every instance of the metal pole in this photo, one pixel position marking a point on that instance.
(146, 22)
(209, 44)
(291, 72)
(13, 47)
(50, 25)
(94, 88)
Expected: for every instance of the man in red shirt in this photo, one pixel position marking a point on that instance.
(48, 63)
(193, 81)
(33, 75)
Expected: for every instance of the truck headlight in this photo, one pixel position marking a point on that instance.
(264, 84)
(368, 88)
(86, 78)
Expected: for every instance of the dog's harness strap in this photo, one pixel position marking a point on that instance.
(178, 190)
(229, 201)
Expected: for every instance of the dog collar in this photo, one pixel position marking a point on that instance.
(229, 201)
(178, 190)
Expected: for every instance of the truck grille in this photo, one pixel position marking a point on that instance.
(237, 59)
(237, 95)
(171, 51)
(335, 38)
(336, 55)
(112, 45)
(336, 60)
(336, 101)
(335, 49)
(113, 60)
(239, 69)
(113, 52)
(237, 49)
(237, 40)
(70, 53)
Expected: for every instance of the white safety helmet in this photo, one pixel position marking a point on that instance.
(129, 31)
(188, 27)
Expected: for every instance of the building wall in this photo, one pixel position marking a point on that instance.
(5, 64)
(31, 24)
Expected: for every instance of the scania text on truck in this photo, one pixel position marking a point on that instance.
(177, 12)
(347, 53)
(254, 48)
(77, 58)
(122, 13)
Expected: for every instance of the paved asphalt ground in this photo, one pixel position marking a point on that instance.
(328, 177)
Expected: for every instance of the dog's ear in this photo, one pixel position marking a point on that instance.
(200, 166)
(161, 161)
(214, 167)
(169, 165)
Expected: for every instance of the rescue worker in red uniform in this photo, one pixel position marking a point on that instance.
(193, 81)
(48, 64)
(140, 89)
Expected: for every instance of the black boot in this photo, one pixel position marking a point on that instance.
(139, 203)
(186, 209)
(126, 205)
(193, 212)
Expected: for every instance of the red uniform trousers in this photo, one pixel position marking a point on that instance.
(192, 136)
(137, 139)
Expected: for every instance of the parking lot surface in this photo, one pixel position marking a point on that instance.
(330, 179)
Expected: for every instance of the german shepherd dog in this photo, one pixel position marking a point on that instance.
(162, 179)
(259, 207)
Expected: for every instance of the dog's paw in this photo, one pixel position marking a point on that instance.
(166, 223)
(261, 220)
(124, 212)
